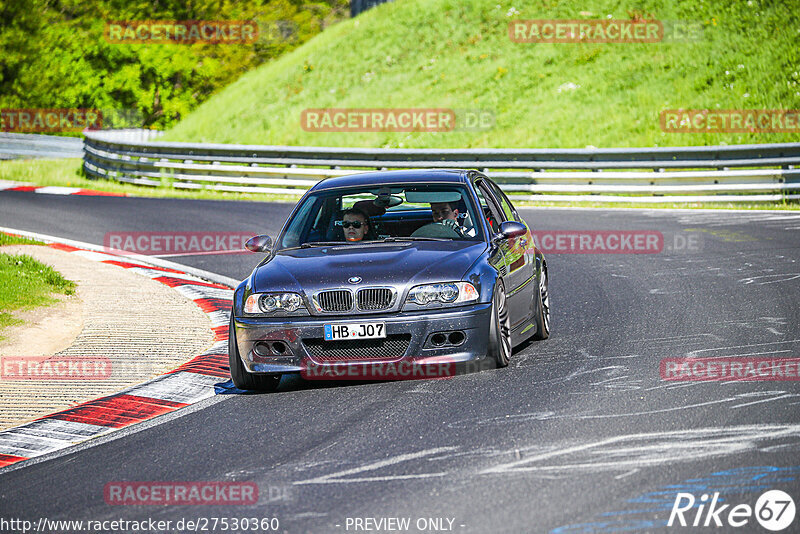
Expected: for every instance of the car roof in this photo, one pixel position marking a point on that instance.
(388, 177)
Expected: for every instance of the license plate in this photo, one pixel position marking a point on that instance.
(354, 331)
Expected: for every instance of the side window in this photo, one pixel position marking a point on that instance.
(490, 209)
(505, 204)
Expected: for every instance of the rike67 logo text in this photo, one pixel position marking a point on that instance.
(774, 510)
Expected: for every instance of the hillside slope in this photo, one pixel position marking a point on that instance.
(457, 54)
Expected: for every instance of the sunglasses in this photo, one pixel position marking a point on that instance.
(354, 224)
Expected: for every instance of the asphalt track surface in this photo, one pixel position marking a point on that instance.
(13, 145)
(579, 434)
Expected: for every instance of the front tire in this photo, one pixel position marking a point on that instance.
(542, 314)
(500, 328)
(242, 379)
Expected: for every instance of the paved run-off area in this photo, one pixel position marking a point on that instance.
(127, 327)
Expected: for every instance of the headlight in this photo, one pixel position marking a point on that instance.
(274, 302)
(446, 293)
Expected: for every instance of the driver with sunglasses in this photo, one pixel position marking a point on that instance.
(355, 224)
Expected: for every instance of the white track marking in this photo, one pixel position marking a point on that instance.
(182, 386)
(56, 190)
(219, 317)
(199, 273)
(46, 435)
(194, 292)
(207, 253)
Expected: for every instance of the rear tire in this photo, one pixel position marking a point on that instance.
(500, 327)
(242, 379)
(542, 314)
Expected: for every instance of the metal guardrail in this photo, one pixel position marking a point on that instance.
(127, 134)
(674, 174)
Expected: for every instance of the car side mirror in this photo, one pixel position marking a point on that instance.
(510, 230)
(259, 243)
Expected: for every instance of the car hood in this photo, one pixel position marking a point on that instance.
(396, 264)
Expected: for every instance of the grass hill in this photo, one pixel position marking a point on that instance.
(457, 54)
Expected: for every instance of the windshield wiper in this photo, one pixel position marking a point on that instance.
(409, 238)
(312, 244)
(320, 244)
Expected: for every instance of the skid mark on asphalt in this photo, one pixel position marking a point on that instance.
(307, 515)
(765, 220)
(772, 396)
(550, 415)
(734, 348)
(773, 278)
(624, 454)
(625, 475)
(671, 339)
(337, 477)
(740, 265)
(623, 372)
(648, 449)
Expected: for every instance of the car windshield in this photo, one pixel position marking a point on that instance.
(374, 214)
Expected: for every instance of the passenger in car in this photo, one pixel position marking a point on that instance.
(355, 224)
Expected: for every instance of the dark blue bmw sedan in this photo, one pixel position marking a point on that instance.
(417, 268)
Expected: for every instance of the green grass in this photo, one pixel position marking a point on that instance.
(67, 172)
(7, 239)
(457, 54)
(25, 284)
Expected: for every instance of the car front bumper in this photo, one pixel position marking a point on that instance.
(301, 337)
